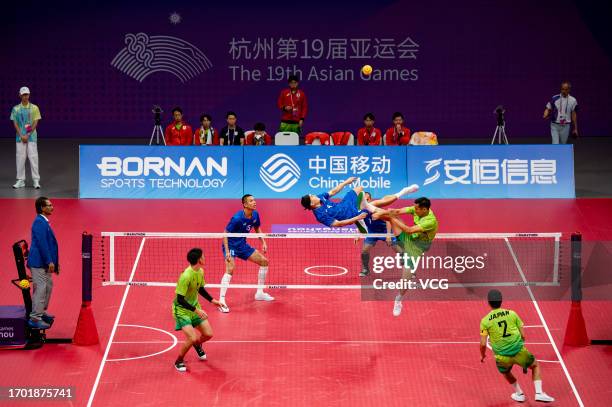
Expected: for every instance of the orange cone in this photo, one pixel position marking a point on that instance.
(575, 333)
(86, 333)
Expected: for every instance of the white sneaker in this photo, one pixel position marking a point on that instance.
(19, 184)
(520, 397)
(544, 397)
(263, 297)
(397, 308)
(223, 308)
(36, 185)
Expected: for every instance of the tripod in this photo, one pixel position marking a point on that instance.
(157, 133)
(500, 134)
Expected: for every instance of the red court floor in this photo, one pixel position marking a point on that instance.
(309, 347)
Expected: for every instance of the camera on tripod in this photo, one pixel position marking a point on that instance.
(499, 111)
(157, 111)
(158, 132)
(499, 135)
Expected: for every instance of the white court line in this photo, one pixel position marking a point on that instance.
(112, 335)
(173, 342)
(550, 338)
(357, 342)
(343, 272)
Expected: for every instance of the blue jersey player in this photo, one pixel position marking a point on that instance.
(352, 209)
(378, 226)
(244, 221)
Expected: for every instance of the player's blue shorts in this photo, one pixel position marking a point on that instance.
(242, 251)
(372, 240)
(351, 201)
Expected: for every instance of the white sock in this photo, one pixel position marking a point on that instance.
(261, 279)
(407, 190)
(517, 387)
(538, 386)
(225, 282)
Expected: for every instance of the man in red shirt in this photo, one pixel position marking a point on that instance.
(177, 132)
(368, 135)
(293, 105)
(206, 135)
(398, 135)
(259, 136)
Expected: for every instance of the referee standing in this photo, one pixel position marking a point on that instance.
(43, 261)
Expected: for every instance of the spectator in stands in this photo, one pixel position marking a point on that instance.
(258, 137)
(178, 133)
(25, 117)
(398, 135)
(206, 135)
(294, 106)
(369, 135)
(563, 107)
(231, 135)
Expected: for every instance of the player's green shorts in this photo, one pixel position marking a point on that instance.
(413, 248)
(294, 127)
(184, 317)
(523, 358)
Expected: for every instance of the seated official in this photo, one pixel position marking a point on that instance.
(258, 137)
(206, 135)
(232, 134)
(178, 133)
(398, 135)
(369, 135)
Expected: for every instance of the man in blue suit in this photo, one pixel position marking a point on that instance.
(43, 262)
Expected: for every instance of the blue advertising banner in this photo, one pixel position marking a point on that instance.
(160, 172)
(290, 172)
(492, 171)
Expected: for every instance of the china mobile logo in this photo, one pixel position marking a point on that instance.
(144, 55)
(279, 172)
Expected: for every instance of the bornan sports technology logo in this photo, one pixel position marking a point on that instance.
(279, 172)
(144, 55)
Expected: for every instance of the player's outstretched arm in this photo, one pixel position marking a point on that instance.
(341, 186)
(483, 347)
(264, 245)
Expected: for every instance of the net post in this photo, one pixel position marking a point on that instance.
(86, 332)
(576, 240)
(575, 332)
(86, 269)
(111, 257)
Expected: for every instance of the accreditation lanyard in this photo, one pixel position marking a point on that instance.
(562, 117)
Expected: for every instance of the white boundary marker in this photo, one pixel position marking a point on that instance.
(307, 271)
(173, 342)
(550, 338)
(114, 330)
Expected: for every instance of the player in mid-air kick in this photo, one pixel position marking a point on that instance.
(415, 240)
(376, 227)
(244, 221)
(352, 209)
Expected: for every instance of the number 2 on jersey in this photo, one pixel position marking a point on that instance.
(505, 325)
